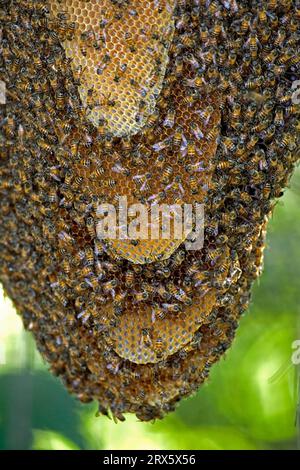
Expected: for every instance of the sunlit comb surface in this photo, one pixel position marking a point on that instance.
(163, 102)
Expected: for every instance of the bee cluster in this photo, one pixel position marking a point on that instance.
(219, 127)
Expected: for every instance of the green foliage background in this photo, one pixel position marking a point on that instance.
(250, 401)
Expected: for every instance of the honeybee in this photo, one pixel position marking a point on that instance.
(203, 33)
(269, 133)
(52, 196)
(90, 226)
(245, 23)
(213, 7)
(287, 140)
(262, 16)
(232, 56)
(141, 296)
(66, 266)
(253, 43)
(170, 118)
(206, 114)
(158, 347)
(171, 308)
(110, 285)
(146, 337)
(228, 144)
(212, 134)
(37, 62)
(187, 40)
(191, 149)
(193, 183)
(167, 173)
(89, 256)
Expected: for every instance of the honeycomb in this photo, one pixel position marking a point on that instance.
(137, 326)
(142, 337)
(120, 52)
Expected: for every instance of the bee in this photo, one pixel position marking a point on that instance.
(206, 114)
(293, 109)
(191, 149)
(270, 132)
(61, 298)
(162, 292)
(286, 140)
(66, 266)
(159, 347)
(110, 183)
(270, 57)
(228, 144)
(196, 131)
(146, 337)
(240, 149)
(187, 40)
(265, 34)
(272, 4)
(256, 176)
(273, 20)
(167, 173)
(288, 157)
(262, 16)
(60, 99)
(90, 226)
(80, 287)
(213, 7)
(149, 288)
(110, 285)
(232, 56)
(170, 118)
(204, 33)
(37, 63)
(193, 184)
(251, 111)
(89, 256)
(93, 282)
(212, 134)
(245, 23)
(236, 110)
(52, 196)
(227, 218)
(254, 138)
(45, 146)
(126, 143)
(10, 127)
(213, 255)
(253, 43)
(141, 296)
(286, 56)
(260, 126)
(266, 109)
(236, 76)
(266, 190)
(172, 308)
(152, 118)
(172, 288)
(281, 34)
(217, 29)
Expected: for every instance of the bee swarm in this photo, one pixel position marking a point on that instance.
(102, 102)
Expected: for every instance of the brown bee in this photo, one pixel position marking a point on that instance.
(158, 347)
